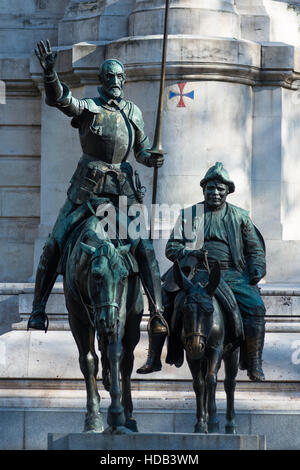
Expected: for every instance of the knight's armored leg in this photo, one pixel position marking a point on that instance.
(254, 342)
(151, 280)
(45, 279)
(46, 272)
(157, 325)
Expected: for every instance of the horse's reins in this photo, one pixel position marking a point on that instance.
(94, 306)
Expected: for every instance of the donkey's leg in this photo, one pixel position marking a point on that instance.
(199, 389)
(88, 360)
(131, 339)
(214, 361)
(231, 369)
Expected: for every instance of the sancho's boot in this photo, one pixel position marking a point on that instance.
(45, 279)
(153, 362)
(254, 343)
(157, 325)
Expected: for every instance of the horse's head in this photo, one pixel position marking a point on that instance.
(106, 281)
(197, 310)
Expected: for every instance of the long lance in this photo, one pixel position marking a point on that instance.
(157, 148)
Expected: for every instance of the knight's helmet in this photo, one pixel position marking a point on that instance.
(218, 172)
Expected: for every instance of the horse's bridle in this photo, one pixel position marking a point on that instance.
(106, 304)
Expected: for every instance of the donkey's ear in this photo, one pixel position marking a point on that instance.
(90, 250)
(214, 279)
(181, 280)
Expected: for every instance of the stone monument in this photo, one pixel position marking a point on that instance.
(232, 96)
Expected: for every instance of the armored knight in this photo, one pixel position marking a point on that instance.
(109, 128)
(231, 238)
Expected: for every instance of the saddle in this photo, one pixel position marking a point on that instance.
(223, 295)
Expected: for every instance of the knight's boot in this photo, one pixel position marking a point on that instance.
(254, 348)
(151, 280)
(45, 279)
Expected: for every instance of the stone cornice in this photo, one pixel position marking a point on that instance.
(228, 60)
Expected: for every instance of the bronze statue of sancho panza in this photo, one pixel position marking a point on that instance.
(109, 128)
(231, 238)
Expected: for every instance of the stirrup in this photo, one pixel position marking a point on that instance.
(158, 315)
(44, 321)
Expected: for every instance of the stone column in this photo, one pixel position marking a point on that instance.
(205, 18)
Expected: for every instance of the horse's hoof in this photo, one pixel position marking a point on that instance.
(131, 424)
(118, 430)
(115, 417)
(93, 423)
(200, 428)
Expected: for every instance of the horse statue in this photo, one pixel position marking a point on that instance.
(103, 298)
(200, 326)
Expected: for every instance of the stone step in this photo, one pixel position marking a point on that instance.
(36, 355)
(155, 442)
(29, 410)
(28, 427)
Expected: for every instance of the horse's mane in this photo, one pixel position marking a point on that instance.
(95, 234)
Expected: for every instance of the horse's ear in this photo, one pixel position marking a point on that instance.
(124, 249)
(181, 280)
(214, 279)
(90, 250)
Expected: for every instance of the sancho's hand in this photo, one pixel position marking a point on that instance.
(154, 160)
(199, 254)
(46, 56)
(255, 277)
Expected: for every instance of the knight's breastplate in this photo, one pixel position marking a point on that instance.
(107, 136)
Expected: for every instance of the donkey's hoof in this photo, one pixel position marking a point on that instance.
(117, 430)
(131, 424)
(213, 427)
(200, 428)
(231, 427)
(93, 423)
(230, 430)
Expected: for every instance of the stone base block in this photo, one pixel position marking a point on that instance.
(155, 441)
(29, 428)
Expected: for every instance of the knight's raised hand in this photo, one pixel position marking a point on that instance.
(46, 56)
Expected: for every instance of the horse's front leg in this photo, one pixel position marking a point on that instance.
(199, 389)
(214, 357)
(88, 360)
(115, 413)
(231, 370)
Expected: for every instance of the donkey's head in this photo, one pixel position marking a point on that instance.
(197, 310)
(106, 283)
